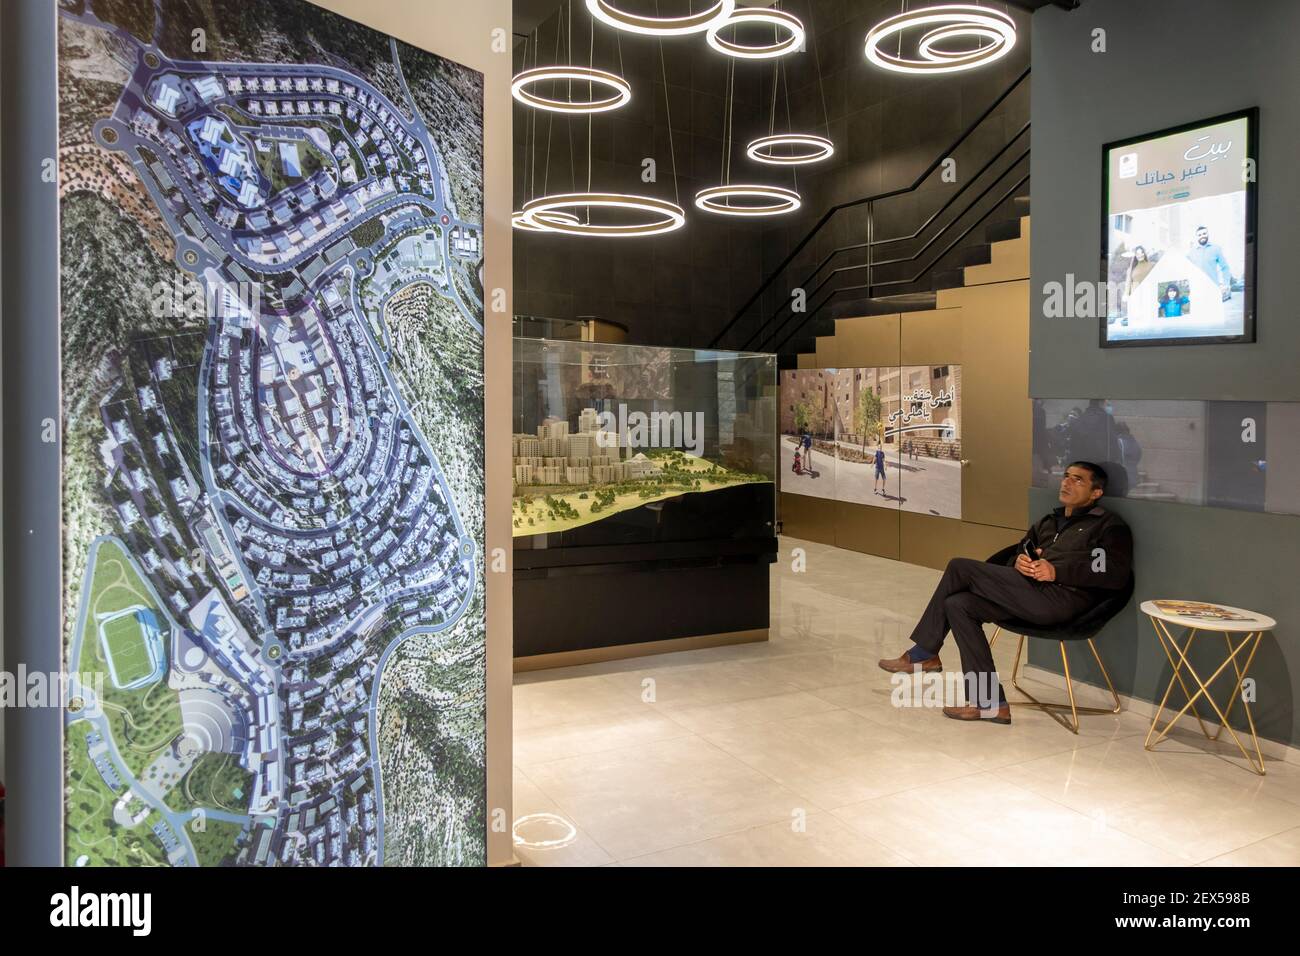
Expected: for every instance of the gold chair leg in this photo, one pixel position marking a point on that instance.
(1105, 675)
(1069, 687)
(1015, 668)
(1052, 707)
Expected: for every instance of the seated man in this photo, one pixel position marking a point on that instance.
(1083, 553)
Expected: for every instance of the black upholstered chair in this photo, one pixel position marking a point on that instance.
(1083, 628)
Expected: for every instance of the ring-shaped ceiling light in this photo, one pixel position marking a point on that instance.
(949, 21)
(611, 15)
(718, 199)
(548, 213)
(622, 92)
(792, 25)
(519, 221)
(928, 46)
(803, 148)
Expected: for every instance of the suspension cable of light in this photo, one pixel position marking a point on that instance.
(748, 200)
(558, 213)
(791, 148)
(617, 91)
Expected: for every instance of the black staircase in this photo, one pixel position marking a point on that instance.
(894, 268)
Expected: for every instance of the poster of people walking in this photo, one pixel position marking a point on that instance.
(888, 437)
(1178, 237)
(807, 437)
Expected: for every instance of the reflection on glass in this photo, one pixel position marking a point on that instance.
(1150, 449)
(619, 444)
(1282, 463)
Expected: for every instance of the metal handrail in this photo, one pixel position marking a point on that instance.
(826, 217)
(869, 285)
(965, 232)
(872, 264)
(933, 216)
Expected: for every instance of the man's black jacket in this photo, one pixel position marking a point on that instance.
(1093, 549)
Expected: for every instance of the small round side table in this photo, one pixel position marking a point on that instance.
(1242, 631)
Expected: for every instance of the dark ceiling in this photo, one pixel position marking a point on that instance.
(1032, 5)
(529, 13)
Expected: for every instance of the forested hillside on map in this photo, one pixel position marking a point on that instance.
(272, 354)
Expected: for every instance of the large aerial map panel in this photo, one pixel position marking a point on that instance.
(272, 348)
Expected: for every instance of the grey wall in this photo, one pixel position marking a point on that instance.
(1169, 62)
(1240, 558)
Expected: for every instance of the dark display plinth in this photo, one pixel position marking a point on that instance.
(635, 594)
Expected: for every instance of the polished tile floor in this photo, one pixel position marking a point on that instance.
(790, 752)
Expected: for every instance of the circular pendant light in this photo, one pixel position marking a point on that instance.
(622, 91)
(929, 49)
(792, 25)
(948, 22)
(550, 214)
(611, 15)
(790, 149)
(520, 221)
(778, 200)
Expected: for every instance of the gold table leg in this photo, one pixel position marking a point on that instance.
(1167, 641)
(1182, 663)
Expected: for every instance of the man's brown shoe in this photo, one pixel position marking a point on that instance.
(971, 712)
(905, 665)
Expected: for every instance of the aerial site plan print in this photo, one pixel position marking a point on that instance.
(272, 351)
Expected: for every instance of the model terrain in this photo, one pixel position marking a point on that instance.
(545, 508)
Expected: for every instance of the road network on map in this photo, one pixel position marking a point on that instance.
(296, 527)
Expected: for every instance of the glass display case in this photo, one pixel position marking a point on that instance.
(618, 444)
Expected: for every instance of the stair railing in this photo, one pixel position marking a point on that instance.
(764, 339)
(870, 286)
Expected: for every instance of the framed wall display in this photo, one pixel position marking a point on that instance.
(273, 497)
(886, 437)
(1178, 234)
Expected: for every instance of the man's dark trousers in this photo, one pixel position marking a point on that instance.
(972, 592)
